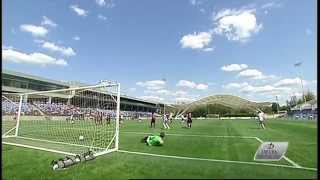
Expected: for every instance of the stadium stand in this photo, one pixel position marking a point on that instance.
(16, 82)
(306, 110)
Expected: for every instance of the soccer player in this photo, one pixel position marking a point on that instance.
(153, 120)
(171, 118)
(261, 119)
(108, 119)
(189, 120)
(165, 121)
(121, 120)
(154, 140)
(182, 118)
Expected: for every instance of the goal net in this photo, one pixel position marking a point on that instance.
(68, 121)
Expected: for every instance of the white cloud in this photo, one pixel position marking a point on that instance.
(235, 85)
(37, 31)
(271, 5)
(102, 17)
(107, 3)
(255, 74)
(132, 89)
(152, 98)
(236, 25)
(76, 38)
(257, 89)
(32, 58)
(180, 93)
(234, 67)
(202, 86)
(196, 41)
(264, 89)
(79, 11)
(195, 2)
(184, 99)
(208, 49)
(152, 85)
(6, 47)
(251, 73)
(192, 85)
(163, 91)
(185, 83)
(47, 21)
(101, 2)
(290, 82)
(67, 51)
(297, 94)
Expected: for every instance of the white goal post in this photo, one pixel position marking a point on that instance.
(69, 121)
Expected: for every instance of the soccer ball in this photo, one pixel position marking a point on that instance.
(72, 122)
(81, 138)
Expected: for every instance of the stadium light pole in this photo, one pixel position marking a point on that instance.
(298, 64)
(278, 105)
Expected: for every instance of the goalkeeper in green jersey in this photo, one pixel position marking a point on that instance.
(154, 140)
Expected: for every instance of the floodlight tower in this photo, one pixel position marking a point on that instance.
(278, 105)
(298, 64)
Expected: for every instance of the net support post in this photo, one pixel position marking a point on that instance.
(117, 119)
(18, 116)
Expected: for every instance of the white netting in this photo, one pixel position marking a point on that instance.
(72, 121)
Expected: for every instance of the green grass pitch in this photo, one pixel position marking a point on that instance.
(204, 141)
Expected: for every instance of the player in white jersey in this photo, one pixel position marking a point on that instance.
(261, 117)
(166, 121)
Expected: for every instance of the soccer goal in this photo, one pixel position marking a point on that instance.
(68, 121)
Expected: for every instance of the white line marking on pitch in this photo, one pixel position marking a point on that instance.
(39, 148)
(217, 160)
(194, 135)
(284, 157)
(295, 165)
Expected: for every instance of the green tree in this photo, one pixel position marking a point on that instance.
(275, 107)
(300, 101)
(309, 96)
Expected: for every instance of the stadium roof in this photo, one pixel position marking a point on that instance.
(14, 73)
(63, 83)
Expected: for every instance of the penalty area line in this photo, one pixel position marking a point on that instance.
(217, 160)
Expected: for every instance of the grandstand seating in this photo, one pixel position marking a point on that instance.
(60, 109)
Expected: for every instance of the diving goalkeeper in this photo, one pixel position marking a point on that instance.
(154, 140)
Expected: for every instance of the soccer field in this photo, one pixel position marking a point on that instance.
(210, 149)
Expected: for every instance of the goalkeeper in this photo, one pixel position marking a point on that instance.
(154, 140)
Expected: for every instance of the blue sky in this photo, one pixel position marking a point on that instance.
(171, 51)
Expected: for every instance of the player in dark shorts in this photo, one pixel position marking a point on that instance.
(153, 120)
(189, 120)
(108, 119)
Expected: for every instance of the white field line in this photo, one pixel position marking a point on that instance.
(217, 160)
(243, 137)
(193, 135)
(284, 157)
(39, 148)
(57, 142)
